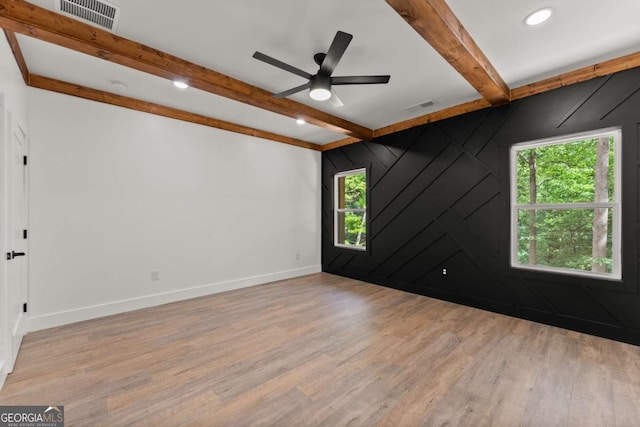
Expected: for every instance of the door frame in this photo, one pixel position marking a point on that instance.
(8, 126)
(4, 316)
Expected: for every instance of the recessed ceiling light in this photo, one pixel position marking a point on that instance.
(539, 16)
(180, 85)
(300, 121)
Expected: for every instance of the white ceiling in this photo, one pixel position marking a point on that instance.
(222, 35)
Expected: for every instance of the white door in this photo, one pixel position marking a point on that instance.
(17, 241)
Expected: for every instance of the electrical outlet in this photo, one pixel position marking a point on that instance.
(444, 271)
(155, 276)
(297, 256)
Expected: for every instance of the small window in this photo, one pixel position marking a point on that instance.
(350, 220)
(565, 204)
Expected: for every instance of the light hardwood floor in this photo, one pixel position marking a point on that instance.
(323, 350)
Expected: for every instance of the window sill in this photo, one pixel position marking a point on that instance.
(355, 248)
(575, 273)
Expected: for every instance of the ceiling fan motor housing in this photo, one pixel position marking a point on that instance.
(318, 58)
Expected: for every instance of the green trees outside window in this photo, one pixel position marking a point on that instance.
(566, 205)
(351, 209)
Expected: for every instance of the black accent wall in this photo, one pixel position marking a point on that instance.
(439, 198)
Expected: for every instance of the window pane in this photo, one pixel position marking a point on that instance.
(352, 229)
(565, 238)
(352, 191)
(567, 172)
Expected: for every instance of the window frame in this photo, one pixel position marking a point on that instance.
(615, 206)
(337, 211)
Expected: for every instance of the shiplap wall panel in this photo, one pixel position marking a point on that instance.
(439, 198)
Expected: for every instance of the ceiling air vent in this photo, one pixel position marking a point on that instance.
(418, 107)
(98, 13)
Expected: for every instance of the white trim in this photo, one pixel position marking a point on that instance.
(85, 313)
(336, 210)
(569, 272)
(350, 172)
(574, 137)
(5, 336)
(565, 206)
(616, 204)
(357, 248)
(3, 374)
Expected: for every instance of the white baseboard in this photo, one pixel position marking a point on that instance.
(45, 321)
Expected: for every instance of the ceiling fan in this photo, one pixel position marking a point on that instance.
(320, 84)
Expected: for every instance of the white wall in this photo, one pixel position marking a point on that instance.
(116, 194)
(13, 97)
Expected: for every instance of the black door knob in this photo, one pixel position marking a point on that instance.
(15, 254)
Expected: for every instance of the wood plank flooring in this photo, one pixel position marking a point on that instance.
(323, 350)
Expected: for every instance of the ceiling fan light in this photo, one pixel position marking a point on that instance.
(320, 87)
(320, 94)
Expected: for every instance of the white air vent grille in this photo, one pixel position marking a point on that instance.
(95, 12)
(418, 107)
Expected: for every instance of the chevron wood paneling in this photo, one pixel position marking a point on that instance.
(439, 198)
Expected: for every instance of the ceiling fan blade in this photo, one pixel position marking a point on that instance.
(335, 52)
(276, 63)
(291, 91)
(359, 80)
(335, 100)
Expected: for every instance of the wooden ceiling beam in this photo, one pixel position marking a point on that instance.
(446, 113)
(439, 26)
(25, 18)
(580, 75)
(341, 143)
(59, 86)
(601, 69)
(17, 53)
(583, 74)
(79, 91)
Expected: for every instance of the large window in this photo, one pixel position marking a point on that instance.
(350, 221)
(565, 204)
